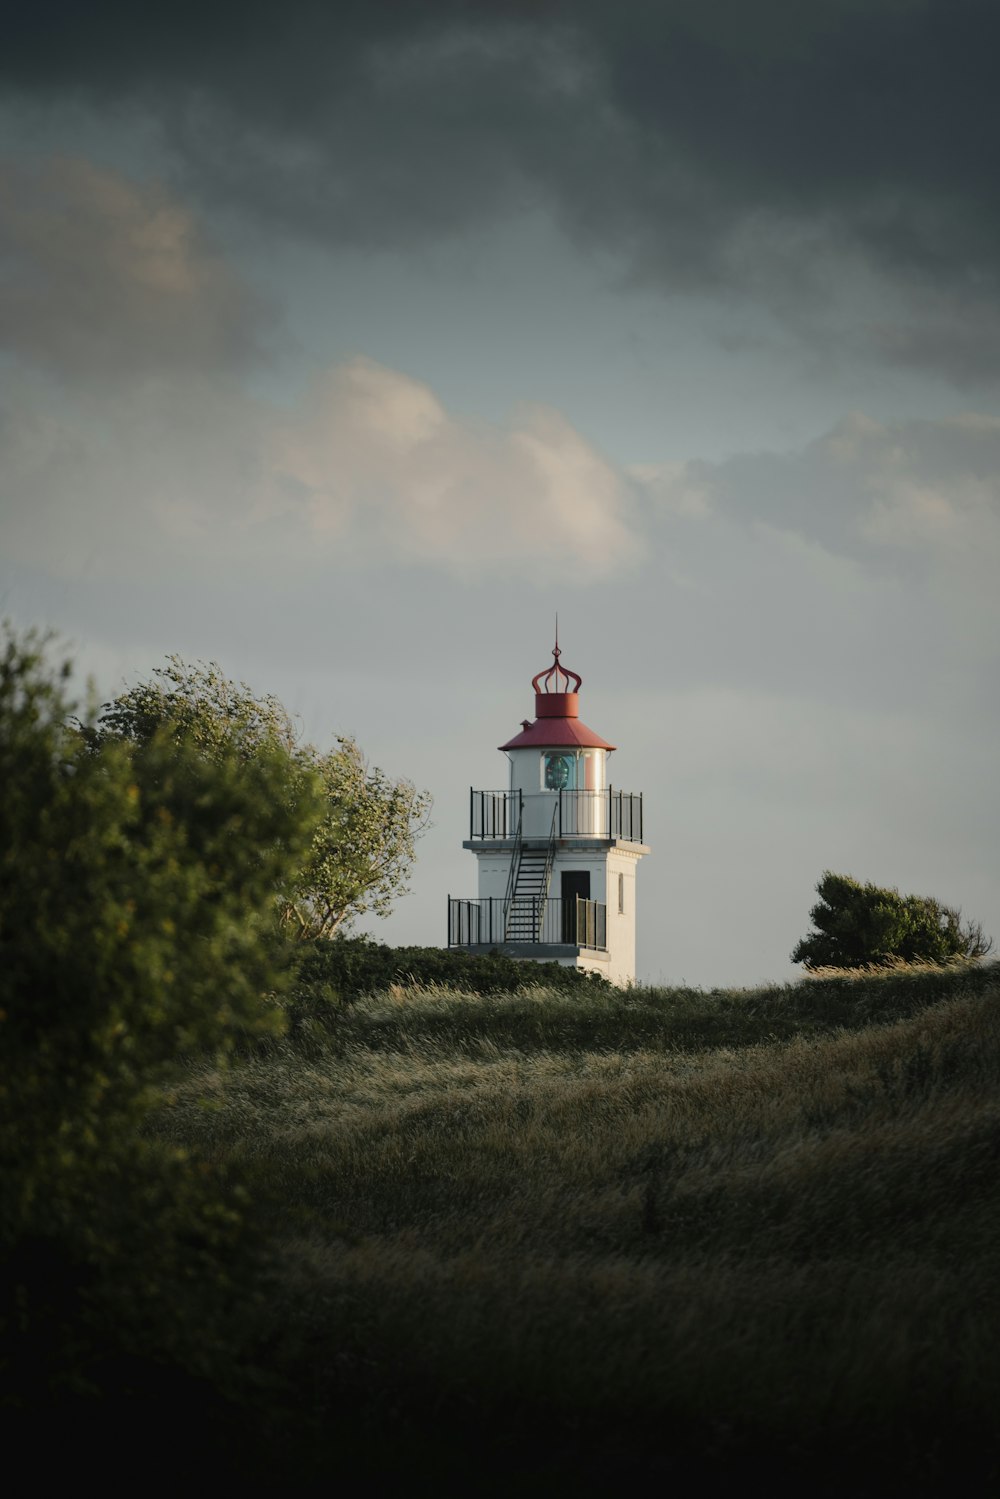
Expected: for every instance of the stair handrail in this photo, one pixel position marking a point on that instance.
(515, 865)
(550, 854)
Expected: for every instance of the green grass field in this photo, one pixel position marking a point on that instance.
(572, 1240)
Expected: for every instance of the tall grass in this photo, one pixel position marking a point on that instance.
(638, 1230)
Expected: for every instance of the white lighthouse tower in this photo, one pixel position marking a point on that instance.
(557, 851)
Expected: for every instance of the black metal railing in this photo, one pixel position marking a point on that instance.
(550, 856)
(493, 922)
(494, 814)
(577, 814)
(515, 860)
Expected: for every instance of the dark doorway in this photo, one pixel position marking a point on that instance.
(575, 886)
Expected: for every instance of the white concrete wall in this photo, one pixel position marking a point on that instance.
(621, 924)
(604, 869)
(539, 808)
(494, 872)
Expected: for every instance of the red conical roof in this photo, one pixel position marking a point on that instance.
(557, 708)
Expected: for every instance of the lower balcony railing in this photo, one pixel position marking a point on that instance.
(491, 922)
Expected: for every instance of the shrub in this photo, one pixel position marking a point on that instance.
(862, 925)
(349, 967)
(136, 927)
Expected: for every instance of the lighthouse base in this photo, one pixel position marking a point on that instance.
(566, 954)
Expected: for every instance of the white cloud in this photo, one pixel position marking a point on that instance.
(373, 454)
(367, 467)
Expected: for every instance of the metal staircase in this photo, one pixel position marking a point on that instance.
(528, 887)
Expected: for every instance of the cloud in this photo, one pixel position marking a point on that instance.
(862, 564)
(368, 467)
(835, 162)
(102, 276)
(865, 490)
(957, 330)
(375, 453)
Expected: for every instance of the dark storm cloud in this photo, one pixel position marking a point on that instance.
(764, 146)
(107, 278)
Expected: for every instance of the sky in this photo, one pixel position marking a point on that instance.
(345, 345)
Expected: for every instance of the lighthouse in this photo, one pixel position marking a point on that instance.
(557, 849)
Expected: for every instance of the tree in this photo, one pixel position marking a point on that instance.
(136, 906)
(361, 852)
(137, 927)
(860, 925)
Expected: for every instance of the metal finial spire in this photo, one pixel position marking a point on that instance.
(558, 678)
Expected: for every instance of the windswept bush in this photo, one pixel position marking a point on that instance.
(860, 926)
(136, 927)
(333, 975)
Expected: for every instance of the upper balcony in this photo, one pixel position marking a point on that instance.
(609, 815)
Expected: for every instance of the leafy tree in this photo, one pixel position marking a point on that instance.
(136, 927)
(860, 925)
(363, 848)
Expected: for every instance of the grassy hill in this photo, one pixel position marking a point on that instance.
(567, 1240)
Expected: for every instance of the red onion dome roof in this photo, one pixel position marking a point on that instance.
(557, 713)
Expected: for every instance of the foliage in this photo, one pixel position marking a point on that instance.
(221, 717)
(349, 967)
(136, 927)
(363, 847)
(858, 925)
(573, 1223)
(332, 977)
(590, 1014)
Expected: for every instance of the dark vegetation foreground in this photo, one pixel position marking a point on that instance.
(570, 1239)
